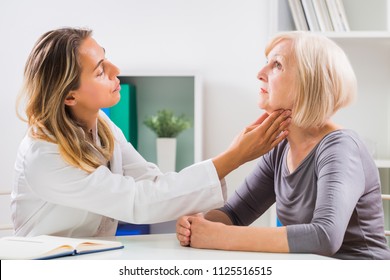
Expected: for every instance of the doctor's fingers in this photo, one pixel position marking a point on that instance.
(270, 129)
(266, 120)
(279, 133)
(275, 123)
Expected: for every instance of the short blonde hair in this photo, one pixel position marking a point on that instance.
(325, 79)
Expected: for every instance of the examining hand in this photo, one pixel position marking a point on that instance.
(254, 141)
(261, 136)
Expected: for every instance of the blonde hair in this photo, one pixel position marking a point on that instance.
(52, 70)
(326, 81)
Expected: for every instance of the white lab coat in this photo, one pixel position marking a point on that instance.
(52, 197)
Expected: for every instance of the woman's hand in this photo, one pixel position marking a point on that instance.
(206, 234)
(184, 224)
(254, 141)
(183, 229)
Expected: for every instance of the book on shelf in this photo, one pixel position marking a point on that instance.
(342, 15)
(310, 14)
(124, 113)
(133, 115)
(338, 15)
(298, 15)
(48, 247)
(323, 16)
(319, 15)
(120, 113)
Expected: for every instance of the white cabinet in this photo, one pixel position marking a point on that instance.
(368, 48)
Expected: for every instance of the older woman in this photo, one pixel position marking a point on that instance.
(324, 182)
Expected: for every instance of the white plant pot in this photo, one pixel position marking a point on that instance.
(166, 154)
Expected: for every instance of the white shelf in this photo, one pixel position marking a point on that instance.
(357, 35)
(381, 35)
(382, 163)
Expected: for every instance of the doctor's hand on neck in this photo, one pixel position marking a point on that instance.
(254, 141)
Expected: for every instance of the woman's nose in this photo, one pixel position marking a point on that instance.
(114, 71)
(262, 76)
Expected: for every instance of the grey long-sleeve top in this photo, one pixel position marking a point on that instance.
(331, 204)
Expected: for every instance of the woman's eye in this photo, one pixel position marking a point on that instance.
(277, 67)
(101, 73)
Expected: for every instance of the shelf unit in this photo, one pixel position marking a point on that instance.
(367, 46)
(364, 17)
(181, 93)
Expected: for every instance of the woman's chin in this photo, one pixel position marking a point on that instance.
(265, 108)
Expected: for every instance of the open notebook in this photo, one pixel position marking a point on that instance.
(47, 247)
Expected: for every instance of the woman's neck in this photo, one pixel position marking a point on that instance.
(87, 119)
(303, 140)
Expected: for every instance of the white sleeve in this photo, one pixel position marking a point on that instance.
(126, 160)
(146, 197)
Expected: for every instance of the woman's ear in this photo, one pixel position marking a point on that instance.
(70, 100)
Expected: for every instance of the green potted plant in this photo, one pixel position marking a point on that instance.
(167, 127)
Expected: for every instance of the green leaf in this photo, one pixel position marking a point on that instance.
(166, 124)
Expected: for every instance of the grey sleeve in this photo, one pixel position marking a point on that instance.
(340, 184)
(254, 196)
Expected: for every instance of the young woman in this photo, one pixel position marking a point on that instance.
(324, 182)
(75, 173)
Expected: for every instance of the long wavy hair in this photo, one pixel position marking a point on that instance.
(52, 70)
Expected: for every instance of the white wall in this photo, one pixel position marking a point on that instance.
(221, 40)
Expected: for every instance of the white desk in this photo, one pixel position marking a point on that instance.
(166, 247)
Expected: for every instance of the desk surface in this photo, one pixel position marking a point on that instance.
(166, 247)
